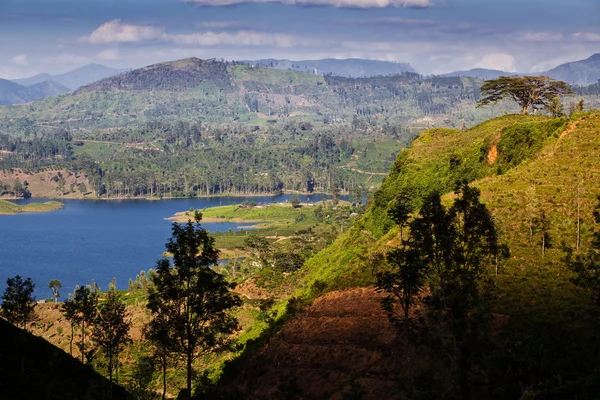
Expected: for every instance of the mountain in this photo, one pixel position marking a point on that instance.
(73, 79)
(32, 368)
(219, 92)
(481, 73)
(352, 67)
(13, 93)
(583, 73)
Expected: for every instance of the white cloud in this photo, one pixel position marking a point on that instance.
(109, 55)
(116, 31)
(499, 61)
(242, 38)
(541, 37)
(218, 24)
(331, 3)
(20, 60)
(588, 36)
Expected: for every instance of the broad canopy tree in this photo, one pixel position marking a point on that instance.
(529, 92)
(196, 300)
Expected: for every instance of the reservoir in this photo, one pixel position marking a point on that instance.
(98, 239)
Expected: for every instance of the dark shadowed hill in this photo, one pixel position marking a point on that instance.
(31, 368)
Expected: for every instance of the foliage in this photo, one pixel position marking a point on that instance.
(535, 92)
(55, 285)
(80, 309)
(18, 303)
(196, 299)
(111, 329)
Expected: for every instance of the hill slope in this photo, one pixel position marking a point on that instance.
(522, 165)
(13, 93)
(219, 92)
(32, 368)
(73, 79)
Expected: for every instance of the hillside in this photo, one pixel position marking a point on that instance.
(32, 368)
(521, 165)
(217, 92)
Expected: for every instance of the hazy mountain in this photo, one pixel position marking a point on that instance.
(73, 79)
(39, 78)
(482, 73)
(352, 67)
(13, 93)
(583, 73)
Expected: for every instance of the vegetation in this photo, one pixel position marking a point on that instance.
(18, 303)
(7, 208)
(192, 299)
(535, 92)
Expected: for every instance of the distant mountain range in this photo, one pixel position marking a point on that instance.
(74, 79)
(351, 67)
(13, 93)
(580, 73)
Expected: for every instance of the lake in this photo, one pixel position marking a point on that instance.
(99, 240)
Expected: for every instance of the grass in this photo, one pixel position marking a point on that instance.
(8, 208)
(274, 221)
(542, 164)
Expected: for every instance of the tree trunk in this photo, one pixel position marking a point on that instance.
(189, 374)
(71, 341)
(82, 342)
(164, 370)
(525, 110)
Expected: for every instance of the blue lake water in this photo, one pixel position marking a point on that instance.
(97, 240)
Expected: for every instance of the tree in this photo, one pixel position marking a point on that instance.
(55, 285)
(111, 329)
(80, 309)
(18, 303)
(405, 282)
(158, 333)
(449, 250)
(197, 300)
(586, 265)
(555, 107)
(528, 91)
(400, 211)
(295, 201)
(544, 226)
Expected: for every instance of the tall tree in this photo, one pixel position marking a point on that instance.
(197, 300)
(400, 211)
(55, 285)
(111, 329)
(528, 92)
(81, 309)
(158, 333)
(18, 303)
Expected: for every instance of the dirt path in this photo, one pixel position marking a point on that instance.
(365, 172)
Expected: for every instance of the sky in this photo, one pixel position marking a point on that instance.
(434, 36)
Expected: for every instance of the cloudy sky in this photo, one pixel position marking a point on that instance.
(435, 36)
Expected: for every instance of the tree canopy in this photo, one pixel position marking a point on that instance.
(18, 304)
(528, 91)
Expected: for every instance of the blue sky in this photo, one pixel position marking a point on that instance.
(435, 36)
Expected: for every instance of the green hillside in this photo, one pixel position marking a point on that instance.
(219, 92)
(522, 165)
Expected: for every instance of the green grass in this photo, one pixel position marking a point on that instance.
(8, 208)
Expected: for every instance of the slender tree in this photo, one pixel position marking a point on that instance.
(55, 285)
(197, 300)
(18, 303)
(81, 308)
(400, 211)
(111, 329)
(527, 91)
(158, 333)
